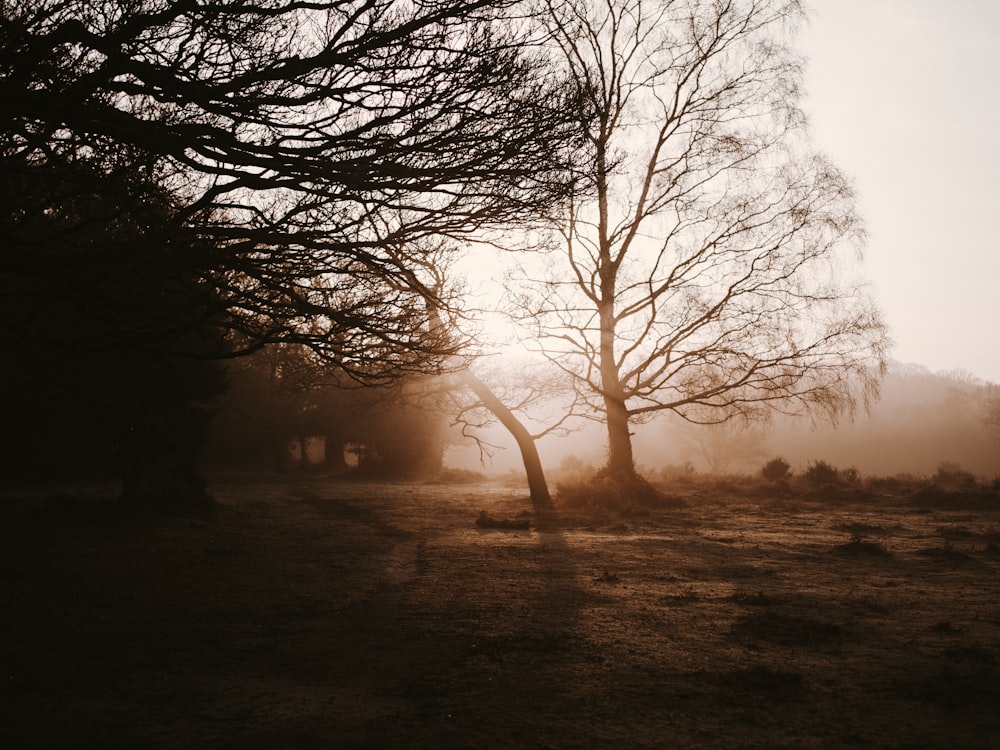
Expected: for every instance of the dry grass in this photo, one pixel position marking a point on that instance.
(307, 613)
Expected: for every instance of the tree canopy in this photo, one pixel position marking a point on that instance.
(109, 334)
(193, 179)
(308, 145)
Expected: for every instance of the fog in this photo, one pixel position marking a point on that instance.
(922, 420)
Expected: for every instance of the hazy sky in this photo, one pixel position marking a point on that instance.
(904, 95)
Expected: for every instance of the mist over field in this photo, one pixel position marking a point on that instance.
(466, 374)
(921, 420)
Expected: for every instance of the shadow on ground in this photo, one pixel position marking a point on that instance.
(310, 614)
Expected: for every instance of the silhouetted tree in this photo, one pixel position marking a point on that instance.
(700, 270)
(503, 406)
(312, 144)
(402, 429)
(276, 394)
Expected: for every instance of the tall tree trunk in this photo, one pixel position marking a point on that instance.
(130, 472)
(133, 455)
(621, 461)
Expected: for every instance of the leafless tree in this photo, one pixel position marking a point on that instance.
(701, 269)
(310, 144)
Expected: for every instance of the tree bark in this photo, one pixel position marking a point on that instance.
(621, 461)
(133, 456)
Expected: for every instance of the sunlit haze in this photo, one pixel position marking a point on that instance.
(902, 94)
(439, 374)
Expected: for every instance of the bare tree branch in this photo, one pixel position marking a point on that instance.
(314, 147)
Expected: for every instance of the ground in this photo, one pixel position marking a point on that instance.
(308, 612)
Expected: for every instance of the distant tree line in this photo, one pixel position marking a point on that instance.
(279, 398)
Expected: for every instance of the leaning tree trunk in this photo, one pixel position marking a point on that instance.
(537, 485)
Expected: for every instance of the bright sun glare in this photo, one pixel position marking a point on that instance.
(501, 337)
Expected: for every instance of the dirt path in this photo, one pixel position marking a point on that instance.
(314, 614)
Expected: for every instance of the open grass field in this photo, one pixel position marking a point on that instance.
(313, 613)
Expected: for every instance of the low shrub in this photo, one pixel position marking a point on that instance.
(572, 468)
(935, 496)
(821, 474)
(684, 472)
(625, 494)
(851, 475)
(899, 485)
(953, 476)
(776, 470)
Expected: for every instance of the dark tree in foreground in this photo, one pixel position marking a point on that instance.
(311, 145)
(109, 336)
(703, 271)
(300, 151)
